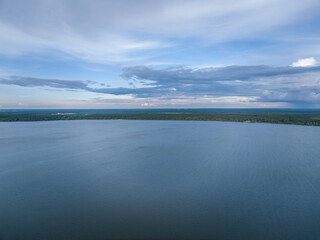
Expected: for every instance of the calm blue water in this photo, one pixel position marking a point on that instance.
(159, 179)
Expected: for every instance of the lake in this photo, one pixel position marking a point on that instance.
(122, 179)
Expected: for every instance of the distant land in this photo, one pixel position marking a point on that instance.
(277, 116)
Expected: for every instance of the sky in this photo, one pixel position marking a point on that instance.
(159, 54)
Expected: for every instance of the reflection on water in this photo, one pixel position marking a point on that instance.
(159, 180)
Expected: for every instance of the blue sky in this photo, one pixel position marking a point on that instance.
(159, 54)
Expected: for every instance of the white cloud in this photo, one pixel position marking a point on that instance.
(115, 31)
(107, 48)
(234, 99)
(148, 105)
(306, 62)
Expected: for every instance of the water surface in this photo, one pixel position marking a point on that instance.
(159, 179)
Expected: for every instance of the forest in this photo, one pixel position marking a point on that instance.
(277, 116)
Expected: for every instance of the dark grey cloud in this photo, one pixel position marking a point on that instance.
(302, 96)
(38, 82)
(293, 85)
(205, 75)
(77, 85)
(58, 83)
(270, 84)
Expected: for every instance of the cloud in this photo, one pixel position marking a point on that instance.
(186, 85)
(306, 62)
(119, 31)
(294, 85)
(148, 105)
(209, 74)
(38, 82)
(107, 48)
(76, 85)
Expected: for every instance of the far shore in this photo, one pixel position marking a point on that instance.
(276, 116)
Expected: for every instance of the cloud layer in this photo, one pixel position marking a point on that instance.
(119, 31)
(297, 86)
